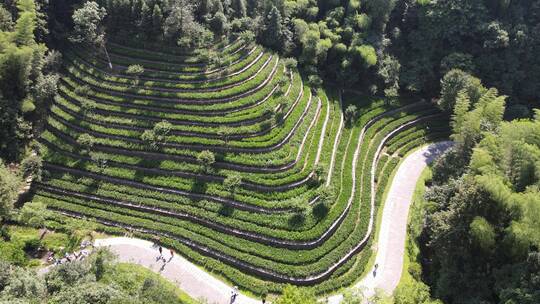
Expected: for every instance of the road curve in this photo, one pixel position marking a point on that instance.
(390, 245)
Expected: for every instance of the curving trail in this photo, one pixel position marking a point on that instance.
(393, 230)
(196, 282)
(390, 245)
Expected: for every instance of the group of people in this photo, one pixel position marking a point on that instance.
(161, 257)
(70, 257)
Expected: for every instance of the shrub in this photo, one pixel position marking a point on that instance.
(351, 113)
(13, 253)
(162, 129)
(135, 70)
(27, 105)
(33, 214)
(320, 210)
(86, 141)
(232, 182)
(206, 158)
(5, 235)
(32, 245)
(31, 165)
(290, 63)
(367, 55)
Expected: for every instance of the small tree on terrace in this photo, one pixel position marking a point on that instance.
(86, 142)
(157, 135)
(351, 113)
(149, 137)
(225, 133)
(247, 36)
(162, 129)
(33, 214)
(100, 160)
(206, 158)
(318, 175)
(214, 58)
(232, 182)
(135, 70)
(290, 64)
(88, 107)
(31, 166)
(315, 81)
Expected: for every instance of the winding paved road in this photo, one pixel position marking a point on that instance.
(390, 246)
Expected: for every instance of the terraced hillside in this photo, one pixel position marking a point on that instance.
(237, 164)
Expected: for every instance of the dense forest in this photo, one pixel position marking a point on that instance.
(477, 59)
(385, 47)
(481, 239)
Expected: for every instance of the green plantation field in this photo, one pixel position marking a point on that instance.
(239, 165)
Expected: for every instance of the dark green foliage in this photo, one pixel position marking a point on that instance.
(31, 166)
(13, 253)
(88, 27)
(152, 291)
(273, 35)
(240, 8)
(26, 82)
(343, 40)
(33, 214)
(9, 187)
(157, 19)
(491, 41)
(482, 218)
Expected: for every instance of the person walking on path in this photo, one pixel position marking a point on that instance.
(160, 249)
(234, 294)
(172, 254)
(375, 269)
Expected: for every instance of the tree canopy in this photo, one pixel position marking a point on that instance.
(482, 232)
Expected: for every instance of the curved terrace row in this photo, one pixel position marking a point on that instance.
(311, 178)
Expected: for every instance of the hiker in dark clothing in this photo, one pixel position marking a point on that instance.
(160, 249)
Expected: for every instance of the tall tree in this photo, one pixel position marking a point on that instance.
(88, 24)
(240, 8)
(272, 35)
(157, 20)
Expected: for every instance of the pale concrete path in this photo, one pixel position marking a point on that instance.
(390, 245)
(193, 280)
